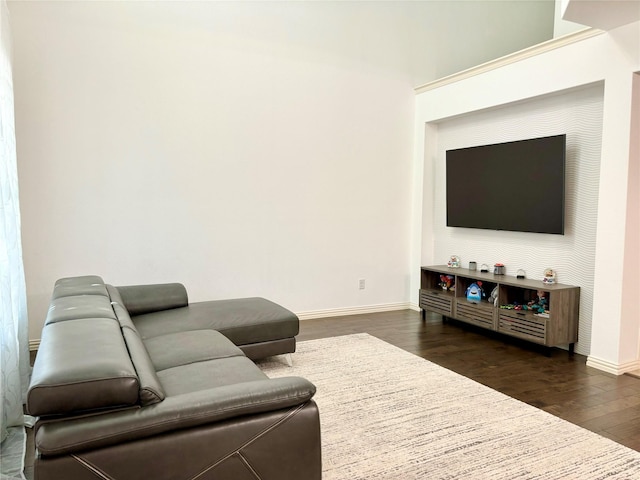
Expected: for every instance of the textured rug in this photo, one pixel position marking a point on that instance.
(388, 414)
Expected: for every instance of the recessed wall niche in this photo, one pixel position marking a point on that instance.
(576, 112)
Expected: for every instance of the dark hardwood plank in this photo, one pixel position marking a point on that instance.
(559, 384)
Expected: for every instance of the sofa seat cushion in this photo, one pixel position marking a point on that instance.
(210, 374)
(242, 320)
(183, 348)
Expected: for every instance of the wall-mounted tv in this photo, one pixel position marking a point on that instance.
(516, 186)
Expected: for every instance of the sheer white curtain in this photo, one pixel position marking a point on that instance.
(13, 306)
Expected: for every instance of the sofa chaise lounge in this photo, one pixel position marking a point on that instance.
(136, 383)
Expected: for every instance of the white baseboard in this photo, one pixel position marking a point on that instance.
(610, 367)
(331, 312)
(339, 312)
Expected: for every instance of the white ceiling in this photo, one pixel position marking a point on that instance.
(602, 14)
(423, 40)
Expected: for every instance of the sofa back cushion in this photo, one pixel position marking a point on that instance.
(151, 390)
(82, 365)
(119, 309)
(82, 285)
(141, 299)
(79, 297)
(79, 306)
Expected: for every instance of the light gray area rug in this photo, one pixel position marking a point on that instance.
(388, 414)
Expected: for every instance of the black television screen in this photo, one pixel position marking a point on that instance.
(516, 186)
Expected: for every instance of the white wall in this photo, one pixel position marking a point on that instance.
(631, 280)
(243, 148)
(237, 167)
(611, 58)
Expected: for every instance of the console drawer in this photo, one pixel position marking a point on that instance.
(436, 301)
(523, 325)
(475, 313)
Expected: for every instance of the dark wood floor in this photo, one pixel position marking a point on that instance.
(560, 384)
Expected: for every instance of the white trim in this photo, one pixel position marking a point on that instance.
(609, 367)
(511, 58)
(339, 312)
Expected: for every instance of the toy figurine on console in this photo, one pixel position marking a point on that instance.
(475, 293)
(549, 276)
(493, 298)
(447, 282)
(540, 304)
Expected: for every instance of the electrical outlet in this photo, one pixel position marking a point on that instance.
(361, 283)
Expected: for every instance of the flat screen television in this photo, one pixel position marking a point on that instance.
(516, 186)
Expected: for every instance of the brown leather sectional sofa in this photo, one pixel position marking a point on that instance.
(136, 383)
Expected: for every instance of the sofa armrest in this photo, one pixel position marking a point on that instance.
(141, 299)
(176, 412)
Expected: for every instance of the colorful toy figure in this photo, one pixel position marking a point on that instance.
(446, 282)
(541, 304)
(475, 293)
(549, 276)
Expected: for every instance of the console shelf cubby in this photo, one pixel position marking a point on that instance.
(559, 327)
